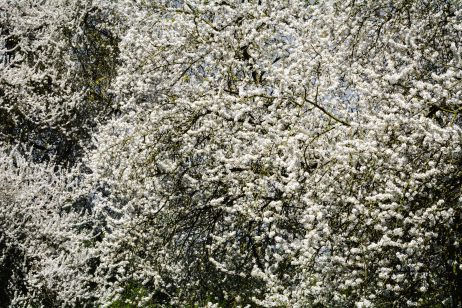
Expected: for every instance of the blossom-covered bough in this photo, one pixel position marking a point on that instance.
(271, 153)
(58, 59)
(44, 256)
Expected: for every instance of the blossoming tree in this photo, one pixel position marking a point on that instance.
(271, 153)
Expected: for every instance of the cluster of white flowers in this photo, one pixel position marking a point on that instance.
(42, 238)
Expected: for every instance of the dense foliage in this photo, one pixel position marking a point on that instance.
(231, 153)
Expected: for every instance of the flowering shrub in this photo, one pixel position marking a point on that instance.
(262, 153)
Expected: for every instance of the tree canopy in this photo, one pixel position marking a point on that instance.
(231, 153)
